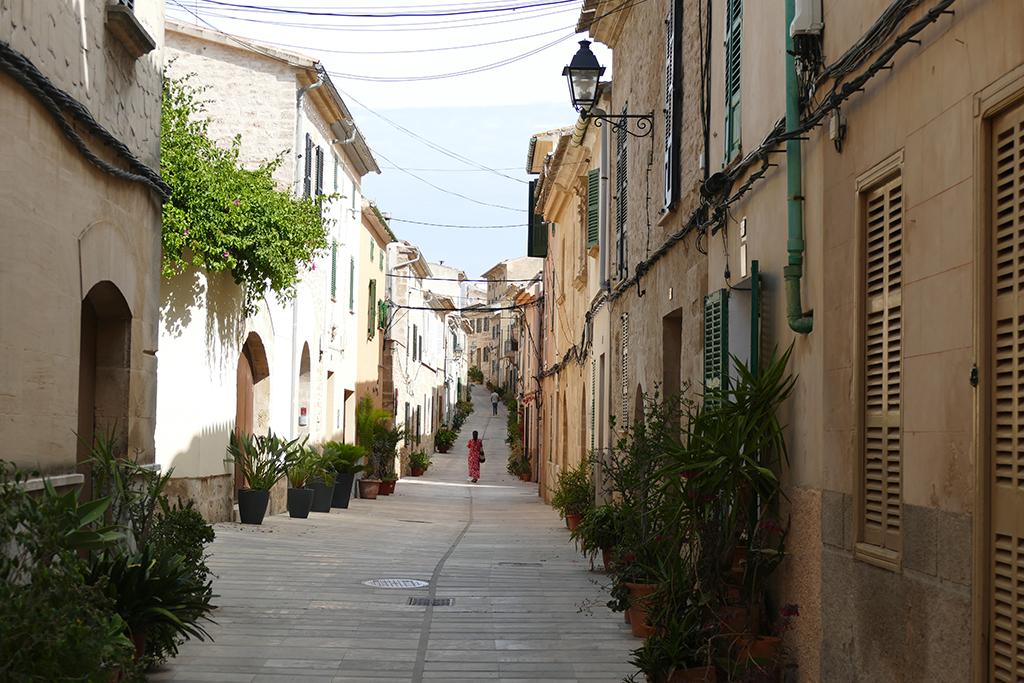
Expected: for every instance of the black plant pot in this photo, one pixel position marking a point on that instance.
(252, 506)
(299, 502)
(342, 490)
(322, 495)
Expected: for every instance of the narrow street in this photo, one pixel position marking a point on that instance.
(294, 605)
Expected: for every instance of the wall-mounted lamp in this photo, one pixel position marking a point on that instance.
(584, 75)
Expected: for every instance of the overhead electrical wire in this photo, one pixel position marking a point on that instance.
(462, 227)
(389, 15)
(451, 192)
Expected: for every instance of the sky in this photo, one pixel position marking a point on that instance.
(446, 95)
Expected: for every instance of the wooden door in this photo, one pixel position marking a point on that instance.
(243, 406)
(1006, 399)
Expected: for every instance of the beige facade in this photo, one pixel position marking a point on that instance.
(80, 267)
(902, 484)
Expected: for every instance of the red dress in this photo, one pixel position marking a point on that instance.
(474, 458)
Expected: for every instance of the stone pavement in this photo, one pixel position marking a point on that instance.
(525, 606)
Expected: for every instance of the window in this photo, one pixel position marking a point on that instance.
(621, 197)
(881, 352)
(487, 324)
(733, 55)
(371, 306)
(673, 100)
(408, 432)
(372, 245)
(536, 236)
(334, 270)
(415, 341)
(716, 339)
(307, 176)
(352, 284)
(381, 266)
(593, 205)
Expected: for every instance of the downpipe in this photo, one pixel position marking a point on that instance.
(800, 321)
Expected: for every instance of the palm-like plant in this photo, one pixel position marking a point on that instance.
(343, 458)
(261, 459)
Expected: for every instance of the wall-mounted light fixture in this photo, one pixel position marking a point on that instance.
(584, 76)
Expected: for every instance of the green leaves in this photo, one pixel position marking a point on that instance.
(223, 216)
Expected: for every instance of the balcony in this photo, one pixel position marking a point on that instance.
(511, 347)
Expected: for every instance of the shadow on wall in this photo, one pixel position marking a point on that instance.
(222, 300)
(205, 453)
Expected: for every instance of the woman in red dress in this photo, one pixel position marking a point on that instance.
(475, 444)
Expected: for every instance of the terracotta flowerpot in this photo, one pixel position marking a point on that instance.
(705, 674)
(608, 558)
(418, 471)
(140, 645)
(761, 652)
(739, 559)
(739, 621)
(574, 521)
(442, 449)
(640, 599)
(368, 488)
(526, 476)
(387, 487)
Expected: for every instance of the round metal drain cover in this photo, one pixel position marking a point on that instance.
(396, 583)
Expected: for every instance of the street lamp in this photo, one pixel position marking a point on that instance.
(584, 74)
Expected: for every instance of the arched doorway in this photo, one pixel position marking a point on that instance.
(252, 369)
(303, 397)
(104, 371)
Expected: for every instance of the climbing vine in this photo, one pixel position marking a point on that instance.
(222, 216)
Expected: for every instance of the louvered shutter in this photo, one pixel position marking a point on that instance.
(334, 270)
(716, 339)
(593, 400)
(1007, 400)
(382, 316)
(593, 205)
(336, 164)
(371, 322)
(319, 171)
(624, 342)
(307, 176)
(415, 341)
(733, 70)
(537, 236)
(673, 97)
(621, 197)
(352, 284)
(883, 360)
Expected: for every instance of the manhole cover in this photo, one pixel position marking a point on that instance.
(520, 564)
(396, 583)
(431, 602)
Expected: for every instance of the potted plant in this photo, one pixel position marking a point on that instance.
(384, 452)
(343, 460)
(321, 479)
(679, 651)
(298, 467)
(369, 422)
(260, 459)
(574, 493)
(419, 462)
(445, 438)
(600, 530)
(519, 464)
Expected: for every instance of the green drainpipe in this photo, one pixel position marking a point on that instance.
(798, 321)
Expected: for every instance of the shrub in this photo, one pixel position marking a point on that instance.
(445, 438)
(420, 460)
(574, 490)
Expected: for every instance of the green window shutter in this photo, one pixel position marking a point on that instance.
(733, 70)
(716, 340)
(415, 338)
(335, 173)
(673, 100)
(319, 171)
(372, 245)
(334, 270)
(383, 315)
(352, 284)
(371, 323)
(621, 198)
(381, 266)
(536, 236)
(307, 177)
(593, 205)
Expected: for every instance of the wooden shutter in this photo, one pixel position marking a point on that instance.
(415, 340)
(335, 157)
(673, 97)
(716, 339)
(1006, 661)
(593, 205)
(621, 197)
(593, 400)
(382, 316)
(883, 360)
(352, 284)
(624, 343)
(371, 306)
(733, 70)
(334, 270)
(537, 236)
(307, 176)
(319, 170)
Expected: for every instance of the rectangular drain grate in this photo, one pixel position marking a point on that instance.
(520, 564)
(431, 602)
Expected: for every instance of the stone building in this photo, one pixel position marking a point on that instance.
(880, 239)
(292, 366)
(80, 207)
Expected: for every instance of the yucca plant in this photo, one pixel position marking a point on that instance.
(261, 459)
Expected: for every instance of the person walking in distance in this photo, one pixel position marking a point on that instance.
(494, 402)
(475, 444)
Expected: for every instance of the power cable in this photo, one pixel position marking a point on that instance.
(388, 15)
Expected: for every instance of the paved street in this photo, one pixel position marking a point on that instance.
(525, 606)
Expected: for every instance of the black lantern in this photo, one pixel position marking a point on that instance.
(583, 74)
